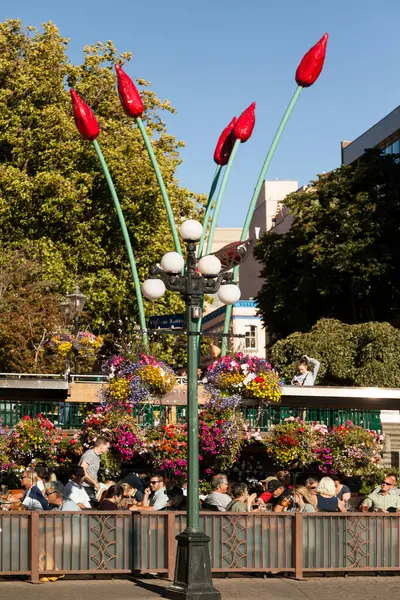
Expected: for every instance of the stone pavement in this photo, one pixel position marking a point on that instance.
(329, 588)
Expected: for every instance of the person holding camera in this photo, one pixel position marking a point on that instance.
(307, 371)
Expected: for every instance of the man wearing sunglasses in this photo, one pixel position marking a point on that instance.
(383, 499)
(155, 497)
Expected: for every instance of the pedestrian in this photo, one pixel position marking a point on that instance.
(56, 499)
(303, 500)
(74, 490)
(155, 497)
(34, 498)
(303, 375)
(241, 501)
(111, 498)
(312, 485)
(326, 497)
(219, 498)
(383, 499)
(342, 491)
(90, 461)
(280, 496)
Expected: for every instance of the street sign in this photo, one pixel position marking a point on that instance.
(166, 322)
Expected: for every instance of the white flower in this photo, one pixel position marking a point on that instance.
(249, 377)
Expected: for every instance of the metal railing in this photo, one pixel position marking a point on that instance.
(52, 543)
(70, 415)
(66, 415)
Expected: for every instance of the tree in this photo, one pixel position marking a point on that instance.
(53, 195)
(341, 256)
(366, 354)
(29, 312)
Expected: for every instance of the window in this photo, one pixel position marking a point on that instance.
(251, 338)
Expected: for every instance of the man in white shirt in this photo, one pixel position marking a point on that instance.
(75, 491)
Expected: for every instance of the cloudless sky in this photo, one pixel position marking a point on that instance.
(212, 58)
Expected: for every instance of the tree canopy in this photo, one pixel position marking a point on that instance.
(341, 256)
(366, 354)
(53, 195)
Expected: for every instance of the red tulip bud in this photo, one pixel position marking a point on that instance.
(311, 65)
(245, 124)
(225, 144)
(128, 94)
(85, 120)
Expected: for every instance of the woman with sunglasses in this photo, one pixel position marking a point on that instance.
(311, 484)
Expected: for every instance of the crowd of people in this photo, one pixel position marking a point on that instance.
(275, 493)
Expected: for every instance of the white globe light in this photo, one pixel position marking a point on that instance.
(153, 289)
(209, 266)
(229, 293)
(191, 230)
(172, 262)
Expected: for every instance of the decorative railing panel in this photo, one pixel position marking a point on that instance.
(351, 542)
(85, 542)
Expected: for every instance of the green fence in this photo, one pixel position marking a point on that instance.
(70, 415)
(264, 417)
(67, 415)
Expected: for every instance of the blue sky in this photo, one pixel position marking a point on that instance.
(211, 59)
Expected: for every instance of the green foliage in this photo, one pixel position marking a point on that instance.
(341, 257)
(53, 194)
(365, 354)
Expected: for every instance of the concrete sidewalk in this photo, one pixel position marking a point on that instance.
(328, 588)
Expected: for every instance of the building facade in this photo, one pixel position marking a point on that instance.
(384, 135)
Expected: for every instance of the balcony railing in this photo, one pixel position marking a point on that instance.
(70, 415)
(92, 542)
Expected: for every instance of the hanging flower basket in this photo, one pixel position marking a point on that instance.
(86, 344)
(133, 383)
(242, 377)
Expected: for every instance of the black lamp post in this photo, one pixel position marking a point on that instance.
(193, 568)
(72, 306)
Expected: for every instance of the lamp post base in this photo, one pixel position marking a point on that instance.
(192, 579)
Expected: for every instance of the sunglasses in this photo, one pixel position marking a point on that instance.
(387, 483)
(313, 487)
(154, 482)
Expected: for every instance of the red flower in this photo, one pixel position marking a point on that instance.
(311, 64)
(245, 124)
(85, 120)
(128, 94)
(26, 418)
(225, 144)
(258, 380)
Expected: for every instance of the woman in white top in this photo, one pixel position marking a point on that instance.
(304, 376)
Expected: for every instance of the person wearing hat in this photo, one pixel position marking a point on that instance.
(280, 496)
(75, 491)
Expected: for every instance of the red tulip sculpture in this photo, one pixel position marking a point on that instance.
(133, 106)
(307, 73)
(85, 120)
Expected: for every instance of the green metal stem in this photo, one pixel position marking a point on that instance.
(215, 216)
(128, 244)
(220, 196)
(160, 180)
(192, 422)
(253, 201)
(208, 210)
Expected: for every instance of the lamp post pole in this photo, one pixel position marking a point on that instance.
(192, 579)
(71, 306)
